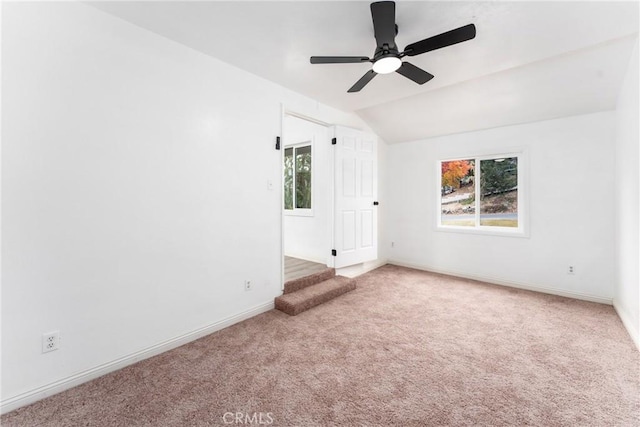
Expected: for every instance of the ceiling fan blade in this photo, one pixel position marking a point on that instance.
(414, 73)
(384, 23)
(363, 81)
(338, 59)
(441, 40)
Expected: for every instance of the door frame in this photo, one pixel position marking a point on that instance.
(286, 112)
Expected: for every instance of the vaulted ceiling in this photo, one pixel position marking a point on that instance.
(529, 61)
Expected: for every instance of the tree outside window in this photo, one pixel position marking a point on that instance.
(499, 192)
(297, 177)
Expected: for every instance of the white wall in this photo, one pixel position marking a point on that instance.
(309, 237)
(627, 184)
(571, 207)
(134, 193)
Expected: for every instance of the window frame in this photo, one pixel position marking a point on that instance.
(299, 211)
(523, 191)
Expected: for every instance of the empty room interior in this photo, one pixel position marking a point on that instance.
(217, 213)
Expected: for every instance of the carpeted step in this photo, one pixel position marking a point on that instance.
(304, 282)
(296, 302)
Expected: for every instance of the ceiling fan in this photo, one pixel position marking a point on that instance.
(387, 58)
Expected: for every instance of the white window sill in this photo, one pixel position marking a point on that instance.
(488, 231)
(298, 212)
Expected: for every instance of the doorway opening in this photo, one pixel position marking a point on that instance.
(307, 216)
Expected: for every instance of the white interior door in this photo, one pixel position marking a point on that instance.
(356, 188)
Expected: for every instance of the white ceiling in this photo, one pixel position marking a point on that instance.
(529, 61)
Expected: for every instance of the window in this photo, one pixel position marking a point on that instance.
(297, 178)
(482, 193)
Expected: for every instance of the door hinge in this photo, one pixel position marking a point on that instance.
(334, 252)
(277, 142)
(334, 141)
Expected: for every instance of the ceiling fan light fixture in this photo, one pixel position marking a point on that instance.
(387, 64)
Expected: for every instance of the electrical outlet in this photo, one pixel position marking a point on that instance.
(50, 341)
(248, 285)
(571, 270)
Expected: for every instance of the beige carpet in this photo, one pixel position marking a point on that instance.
(406, 348)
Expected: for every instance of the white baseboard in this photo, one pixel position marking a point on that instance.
(358, 269)
(628, 324)
(501, 282)
(39, 393)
